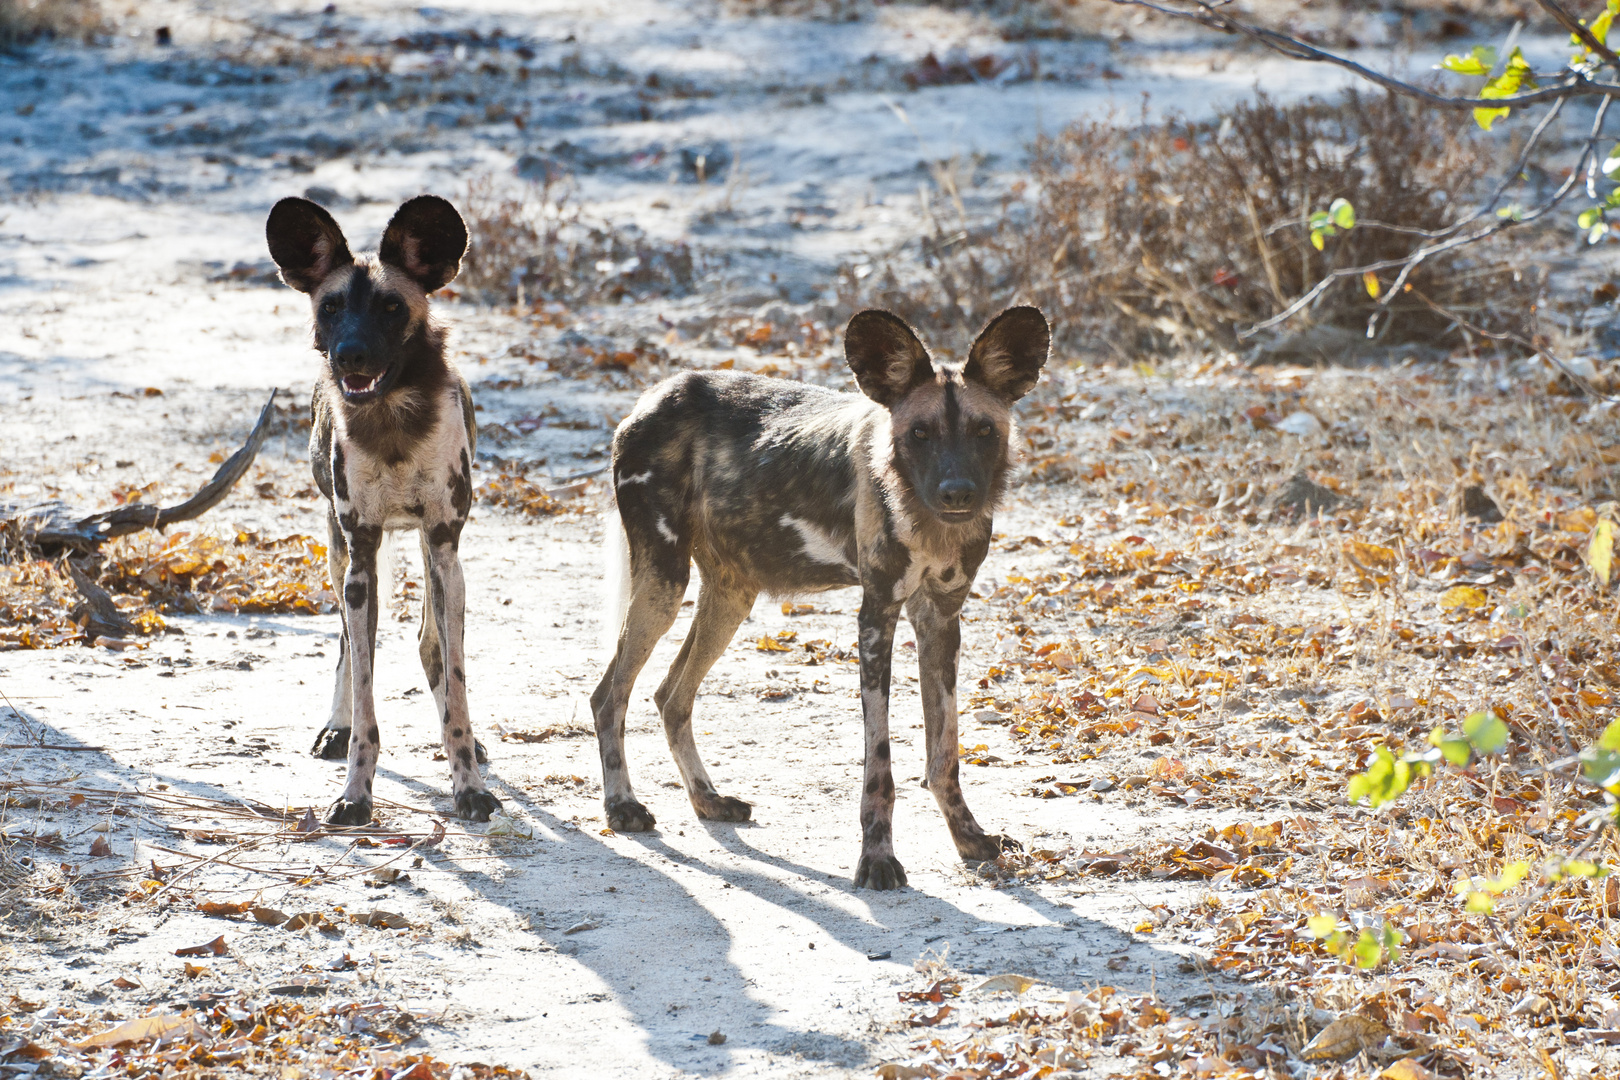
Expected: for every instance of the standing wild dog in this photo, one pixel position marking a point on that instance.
(785, 488)
(391, 448)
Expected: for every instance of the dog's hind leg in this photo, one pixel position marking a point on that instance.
(656, 590)
(332, 741)
(939, 641)
(721, 608)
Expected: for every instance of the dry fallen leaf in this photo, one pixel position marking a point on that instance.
(1346, 1037)
(217, 947)
(165, 1028)
(1463, 596)
(214, 907)
(269, 916)
(388, 920)
(1008, 984)
(1406, 1069)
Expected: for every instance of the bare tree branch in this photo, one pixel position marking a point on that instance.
(1570, 84)
(1576, 27)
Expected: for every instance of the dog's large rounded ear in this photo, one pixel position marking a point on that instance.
(426, 239)
(305, 242)
(886, 357)
(1008, 356)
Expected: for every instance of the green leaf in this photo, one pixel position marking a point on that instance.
(1576, 868)
(1515, 76)
(1316, 239)
(1512, 210)
(1321, 926)
(1600, 28)
(1600, 549)
(1590, 217)
(1343, 214)
(1612, 162)
(1455, 750)
(1391, 939)
(1320, 220)
(1480, 903)
(1478, 62)
(1610, 739)
(1597, 232)
(1511, 875)
(1601, 766)
(1368, 950)
(1488, 734)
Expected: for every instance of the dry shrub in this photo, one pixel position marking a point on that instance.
(23, 22)
(539, 245)
(1177, 233)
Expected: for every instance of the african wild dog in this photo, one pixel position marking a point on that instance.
(785, 488)
(391, 448)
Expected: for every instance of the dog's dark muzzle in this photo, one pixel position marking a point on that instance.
(358, 376)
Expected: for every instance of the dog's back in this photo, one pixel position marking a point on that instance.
(746, 475)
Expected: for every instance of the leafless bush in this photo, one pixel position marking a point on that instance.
(538, 244)
(26, 21)
(1176, 233)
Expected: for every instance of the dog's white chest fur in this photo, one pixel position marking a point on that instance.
(404, 494)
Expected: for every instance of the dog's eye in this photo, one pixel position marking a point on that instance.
(329, 306)
(920, 434)
(986, 430)
(391, 307)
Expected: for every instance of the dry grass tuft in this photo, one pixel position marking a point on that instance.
(23, 22)
(539, 245)
(1174, 234)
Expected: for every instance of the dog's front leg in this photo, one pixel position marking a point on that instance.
(937, 619)
(360, 601)
(878, 868)
(449, 596)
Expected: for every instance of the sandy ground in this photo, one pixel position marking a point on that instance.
(139, 178)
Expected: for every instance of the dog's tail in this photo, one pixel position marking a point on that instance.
(616, 579)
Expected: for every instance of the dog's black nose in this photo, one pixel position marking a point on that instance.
(957, 494)
(348, 354)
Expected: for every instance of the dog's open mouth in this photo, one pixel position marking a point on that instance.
(956, 516)
(357, 387)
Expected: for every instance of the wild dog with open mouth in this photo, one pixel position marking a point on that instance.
(786, 488)
(391, 448)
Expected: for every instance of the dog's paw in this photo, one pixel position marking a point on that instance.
(349, 813)
(479, 753)
(476, 804)
(986, 847)
(628, 815)
(331, 744)
(880, 872)
(723, 808)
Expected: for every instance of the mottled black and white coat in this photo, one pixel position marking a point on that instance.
(785, 488)
(391, 448)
